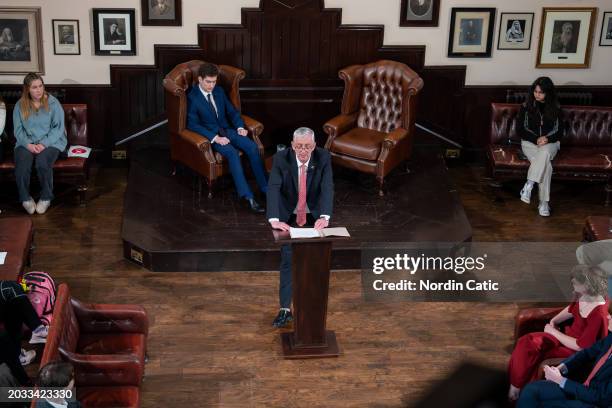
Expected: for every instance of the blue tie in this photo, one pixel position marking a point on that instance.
(209, 99)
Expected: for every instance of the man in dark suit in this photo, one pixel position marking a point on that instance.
(300, 193)
(560, 391)
(212, 115)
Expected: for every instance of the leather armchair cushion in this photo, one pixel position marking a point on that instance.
(107, 397)
(104, 344)
(360, 143)
(70, 164)
(574, 158)
(220, 159)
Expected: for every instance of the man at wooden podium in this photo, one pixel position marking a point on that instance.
(300, 194)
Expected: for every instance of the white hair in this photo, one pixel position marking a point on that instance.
(304, 131)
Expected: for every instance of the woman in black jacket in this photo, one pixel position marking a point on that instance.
(540, 127)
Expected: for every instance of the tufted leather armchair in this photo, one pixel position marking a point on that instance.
(374, 131)
(190, 148)
(106, 345)
(586, 145)
(69, 170)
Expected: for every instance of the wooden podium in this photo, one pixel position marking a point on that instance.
(310, 264)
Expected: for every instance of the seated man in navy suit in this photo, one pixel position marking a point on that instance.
(560, 391)
(211, 114)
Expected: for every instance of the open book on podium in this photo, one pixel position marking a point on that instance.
(313, 233)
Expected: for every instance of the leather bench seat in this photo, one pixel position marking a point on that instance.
(71, 170)
(586, 145)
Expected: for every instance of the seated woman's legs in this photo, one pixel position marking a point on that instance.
(526, 356)
(43, 162)
(540, 172)
(23, 171)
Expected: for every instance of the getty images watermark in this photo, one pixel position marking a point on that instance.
(495, 272)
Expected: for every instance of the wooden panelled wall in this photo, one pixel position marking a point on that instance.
(291, 51)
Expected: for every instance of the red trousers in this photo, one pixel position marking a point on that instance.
(530, 351)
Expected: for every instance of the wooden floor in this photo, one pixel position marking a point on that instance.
(211, 343)
(171, 228)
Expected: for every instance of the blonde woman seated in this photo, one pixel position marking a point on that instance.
(38, 122)
(590, 323)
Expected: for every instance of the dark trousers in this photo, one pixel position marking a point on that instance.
(44, 169)
(230, 152)
(547, 394)
(285, 288)
(15, 311)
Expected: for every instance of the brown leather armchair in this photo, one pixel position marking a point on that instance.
(190, 148)
(105, 343)
(374, 131)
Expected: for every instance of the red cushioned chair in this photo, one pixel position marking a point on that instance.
(105, 343)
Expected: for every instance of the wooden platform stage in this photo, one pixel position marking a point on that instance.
(170, 225)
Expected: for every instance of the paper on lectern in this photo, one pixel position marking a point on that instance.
(313, 233)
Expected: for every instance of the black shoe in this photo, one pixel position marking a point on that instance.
(252, 205)
(282, 319)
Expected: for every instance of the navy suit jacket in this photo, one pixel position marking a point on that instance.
(282, 195)
(599, 391)
(201, 117)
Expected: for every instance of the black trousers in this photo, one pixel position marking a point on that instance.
(15, 311)
(43, 162)
(285, 288)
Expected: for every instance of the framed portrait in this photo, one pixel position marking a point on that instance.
(515, 31)
(419, 13)
(20, 40)
(566, 35)
(471, 32)
(606, 30)
(66, 37)
(114, 31)
(161, 13)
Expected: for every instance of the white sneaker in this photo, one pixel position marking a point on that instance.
(30, 206)
(39, 335)
(526, 193)
(26, 357)
(42, 206)
(543, 209)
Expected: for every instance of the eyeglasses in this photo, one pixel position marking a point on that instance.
(302, 147)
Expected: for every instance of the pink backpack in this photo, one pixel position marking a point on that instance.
(42, 294)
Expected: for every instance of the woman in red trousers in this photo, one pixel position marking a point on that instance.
(590, 323)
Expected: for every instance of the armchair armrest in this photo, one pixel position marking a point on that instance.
(394, 137)
(199, 142)
(112, 369)
(101, 318)
(339, 125)
(255, 129)
(171, 86)
(533, 319)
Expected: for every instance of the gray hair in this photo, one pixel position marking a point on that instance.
(304, 131)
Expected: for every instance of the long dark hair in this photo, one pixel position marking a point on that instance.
(551, 102)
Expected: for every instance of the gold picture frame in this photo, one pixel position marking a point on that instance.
(21, 49)
(566, 37)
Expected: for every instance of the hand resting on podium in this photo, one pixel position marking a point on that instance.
(279, 225)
